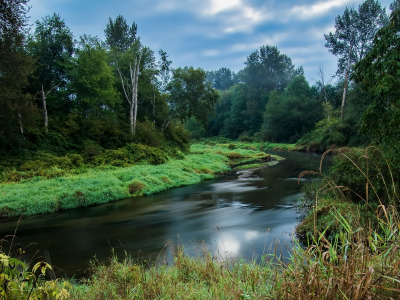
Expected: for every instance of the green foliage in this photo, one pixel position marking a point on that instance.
(139, 153)
(17, 282)
(91, 150)
(92, 80)
(148, 135)
(354, 33)
(76, 159)
(364, 254)
(16, 66)
(195, 128)
(190, 95)
(289, 116)
(119, 35)
(222, 79)
(378, 73)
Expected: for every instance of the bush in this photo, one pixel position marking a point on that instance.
(136, 187)
(117, 158)
(43, 160)
(76, 159)
(153, 156)
(148, 135)
(244, 137)
(231, 146)
(90, 150)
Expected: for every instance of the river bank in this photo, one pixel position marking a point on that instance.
(107, 183)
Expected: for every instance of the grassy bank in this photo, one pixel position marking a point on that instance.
(105, 184)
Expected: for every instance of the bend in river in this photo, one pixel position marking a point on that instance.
(233, 216)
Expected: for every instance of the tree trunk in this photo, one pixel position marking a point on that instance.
(131, 119)
(346, 83)
(46, 123)
(154, 106)
(137, 66)
(44, 96)
(132, 97)
(21, 129)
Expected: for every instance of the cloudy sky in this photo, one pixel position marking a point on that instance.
(213, 33)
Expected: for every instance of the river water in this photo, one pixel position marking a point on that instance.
(233, 216)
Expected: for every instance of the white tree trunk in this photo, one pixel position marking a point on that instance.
(132, 97)
(346, 83)
(21, 129)
(44, 96)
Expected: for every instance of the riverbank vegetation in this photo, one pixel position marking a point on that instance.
(104, 184)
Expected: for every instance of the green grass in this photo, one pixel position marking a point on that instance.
(251, 152)
(255, 146)
(105, 184)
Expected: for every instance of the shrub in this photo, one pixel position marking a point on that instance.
(148, 135)
(117, 158)
(90, 150)
(43, 160)
(76, 159)
(153, 156)
(244, 137)
(136, 187)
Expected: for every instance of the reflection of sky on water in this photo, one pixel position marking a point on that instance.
(232, 187)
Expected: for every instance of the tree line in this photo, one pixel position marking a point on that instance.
(270, 99)
(60, 93)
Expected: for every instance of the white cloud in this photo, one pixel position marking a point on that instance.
(234, 15)
(217, 6)
(317, 9)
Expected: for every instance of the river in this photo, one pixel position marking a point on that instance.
(233, 216)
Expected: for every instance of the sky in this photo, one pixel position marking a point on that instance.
(211, 34)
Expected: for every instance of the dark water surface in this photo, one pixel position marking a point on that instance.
(235, 216)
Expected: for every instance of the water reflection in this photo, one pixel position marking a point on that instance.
(235, 216)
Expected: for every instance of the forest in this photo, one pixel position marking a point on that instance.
(86, 121)
(64, 96)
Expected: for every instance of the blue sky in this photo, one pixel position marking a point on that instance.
(213, 33)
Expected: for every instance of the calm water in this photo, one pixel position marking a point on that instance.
(235, 216)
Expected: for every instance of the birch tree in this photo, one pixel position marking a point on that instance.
(353, 37)
(130, 88)
(44, 96)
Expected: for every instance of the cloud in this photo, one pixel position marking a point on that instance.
(318, 9)
(213, 33)
(217, 6)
